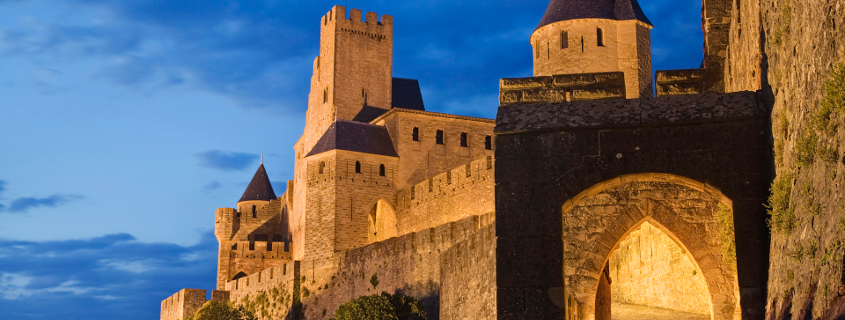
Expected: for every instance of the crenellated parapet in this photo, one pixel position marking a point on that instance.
(186, 302)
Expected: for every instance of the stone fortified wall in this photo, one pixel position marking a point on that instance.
(462, 192)
(790, 50)
(271, 293)
(561, 88)
(186, 302)
(468, 277)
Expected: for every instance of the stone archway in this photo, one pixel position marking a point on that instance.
(595, 221)
(381, 222)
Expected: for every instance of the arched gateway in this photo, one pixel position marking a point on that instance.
(574, 178)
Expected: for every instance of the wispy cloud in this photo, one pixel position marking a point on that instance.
(226, 161)
(211, 186)
(113, 276)
(24, 204)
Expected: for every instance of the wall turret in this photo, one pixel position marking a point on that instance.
(595, 36)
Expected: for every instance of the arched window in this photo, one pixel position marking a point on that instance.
(381, 170)
(464, 142)
(488, 143)
(254, 212)
(439, 137)
(416, 134)
(322, 166)
(564, 39)
(600, 37)
(357, 167)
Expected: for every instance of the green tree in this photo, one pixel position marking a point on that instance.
(381, 307)
(214, 310)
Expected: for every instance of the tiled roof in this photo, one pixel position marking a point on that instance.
(407, 94)
(562, 10)
(259, 188)
(355, 136)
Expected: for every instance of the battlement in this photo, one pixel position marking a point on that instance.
(260, 249)
(562, 88)
(338, 17)
(447, 183)
(186, 302)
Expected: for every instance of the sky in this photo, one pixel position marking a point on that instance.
(124, 124)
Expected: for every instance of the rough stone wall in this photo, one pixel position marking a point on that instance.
(270, 294)
(791, 49)
(468, 278)
(468, 190)
(648, 268)
(409, 264)
(186, 302)
(562, 88)
(421, 160)
(626, 47)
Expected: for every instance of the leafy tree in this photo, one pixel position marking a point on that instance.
(214, 310)
(381, 307)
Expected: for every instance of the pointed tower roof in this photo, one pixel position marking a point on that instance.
(562, 10)
(259, 188)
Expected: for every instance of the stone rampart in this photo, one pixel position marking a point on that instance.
(270, 293)
(468, 190)
(561, 88)
(186, 302)
(468, 277)
(409, 264)
(675, 82)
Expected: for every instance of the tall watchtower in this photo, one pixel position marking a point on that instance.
(353, 74)
(591, 36)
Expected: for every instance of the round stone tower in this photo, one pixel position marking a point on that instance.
(591, 36)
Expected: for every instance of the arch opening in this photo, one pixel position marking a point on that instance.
(381, 222)
(650, 245)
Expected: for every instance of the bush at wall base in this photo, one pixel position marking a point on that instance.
(381, 307)
(214, 310)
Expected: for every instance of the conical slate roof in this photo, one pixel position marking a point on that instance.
(259, 188)
(562, 10)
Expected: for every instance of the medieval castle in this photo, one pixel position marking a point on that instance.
(586, 197)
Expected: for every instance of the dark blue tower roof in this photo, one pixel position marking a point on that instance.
(562, 10)
(259, 188)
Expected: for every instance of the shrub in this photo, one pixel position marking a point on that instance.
(381, 307)
(781, 210)
(213, 310)
(805, 147)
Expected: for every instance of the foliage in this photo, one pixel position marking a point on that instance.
(781, 210)
(374, 281)
(213, 310)
(833, 103)
(381, 307)
(805, 147)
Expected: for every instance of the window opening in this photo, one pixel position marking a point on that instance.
(416, 134)
(322, 165)
(564, 40)
(325, 95)
(582, 44)
(381, 170)
(488, 143)
(413, 192)
(439, 137)
(357, 167)
(254, 212)
(464, 142)
(536, 49)
(600, 37)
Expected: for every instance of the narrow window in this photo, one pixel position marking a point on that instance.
(488, 143)
(430, 185)
(416, 134)
(322, 166)
(600, 37)
(439, 137)
(464, 142)
(254, 212)
(357, 167)
(582, 44)
(537, 49)
(564, 40)
(325, 95)
(548, 50)
(413, 193)
(381, 170)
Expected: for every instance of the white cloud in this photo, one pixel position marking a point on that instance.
(14, 286)
(129, 266)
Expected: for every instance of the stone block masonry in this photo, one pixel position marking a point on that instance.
(186, 302)
(468, 278)
(561, 88)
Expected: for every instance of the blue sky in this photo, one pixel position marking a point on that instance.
(125, 123)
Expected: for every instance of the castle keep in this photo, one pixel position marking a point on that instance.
(587, 198)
